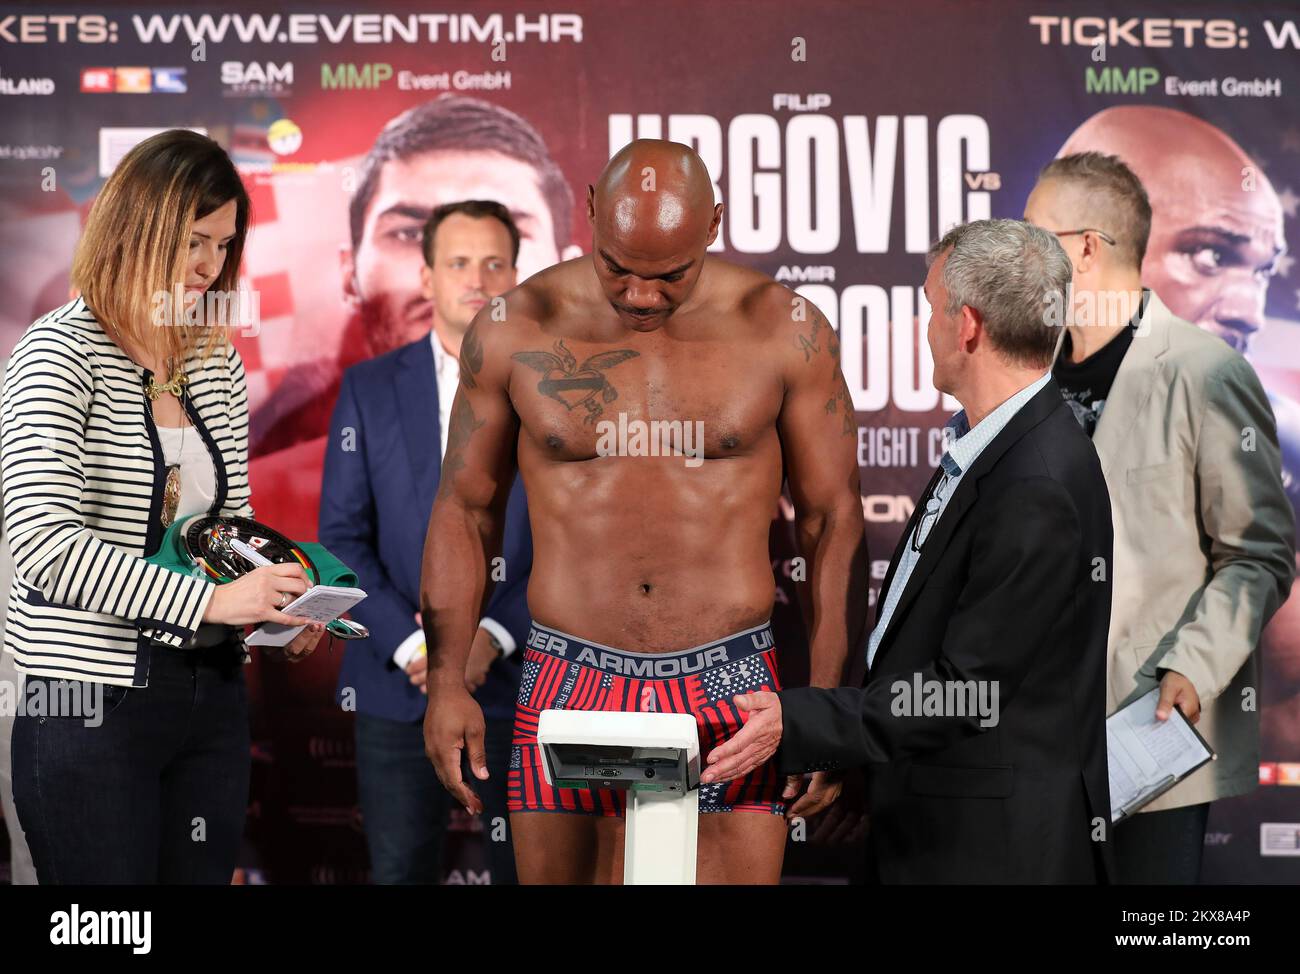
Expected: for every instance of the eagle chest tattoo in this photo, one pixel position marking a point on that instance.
(575, 385)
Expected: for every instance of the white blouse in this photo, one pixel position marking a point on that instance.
(184, 446)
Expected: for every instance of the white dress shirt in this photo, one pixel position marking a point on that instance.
(447, 368)
(967, 445)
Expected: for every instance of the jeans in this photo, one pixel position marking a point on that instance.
(156, 792)
(405, 809)
(1162, 848)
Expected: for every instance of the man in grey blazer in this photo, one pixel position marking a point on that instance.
(1204, 535)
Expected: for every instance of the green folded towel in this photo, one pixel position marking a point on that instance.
(172, 556)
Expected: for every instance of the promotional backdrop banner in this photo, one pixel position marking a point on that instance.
(842, 138)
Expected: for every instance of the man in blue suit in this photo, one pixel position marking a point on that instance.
(382, 467)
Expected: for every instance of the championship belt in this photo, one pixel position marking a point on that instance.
(226, 548)
(212, 544)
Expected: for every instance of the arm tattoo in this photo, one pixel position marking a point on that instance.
(571, 384)
(460, 427)
(850, 427)
(471, 357)
(808, 343)
(841, 396)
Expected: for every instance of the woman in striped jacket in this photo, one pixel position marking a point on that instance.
(123, 411)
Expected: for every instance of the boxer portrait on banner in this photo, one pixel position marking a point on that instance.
(447, 149)
(652, 586)
(382, 466)
(999, 590)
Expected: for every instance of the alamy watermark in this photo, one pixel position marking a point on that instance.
(238, 309)
(77, 927)
(946, 698)
(653, 438)
(83, 699)
(1087, 308)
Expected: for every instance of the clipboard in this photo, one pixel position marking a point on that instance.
(1137, 746)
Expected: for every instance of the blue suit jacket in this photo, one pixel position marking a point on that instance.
(382, 466)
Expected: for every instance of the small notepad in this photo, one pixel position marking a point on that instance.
(320, 603)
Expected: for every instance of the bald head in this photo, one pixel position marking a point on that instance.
(652, 217)
(1216, 227)
(1171, 151)
(653, 191)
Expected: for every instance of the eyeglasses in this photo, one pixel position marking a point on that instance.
(1101, 233)
(933, 504)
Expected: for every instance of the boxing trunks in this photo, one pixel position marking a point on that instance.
(561, 671)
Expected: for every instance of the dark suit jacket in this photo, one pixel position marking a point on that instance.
(378, 490)
(1003, 591)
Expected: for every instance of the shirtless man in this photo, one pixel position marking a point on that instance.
(651, 586)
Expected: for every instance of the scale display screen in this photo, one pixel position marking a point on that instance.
(620, 767)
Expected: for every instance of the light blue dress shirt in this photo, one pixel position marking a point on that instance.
(967, 445)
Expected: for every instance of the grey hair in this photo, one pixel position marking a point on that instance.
(1011, 272)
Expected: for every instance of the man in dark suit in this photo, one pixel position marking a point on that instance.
(981, 724)
(382, 468)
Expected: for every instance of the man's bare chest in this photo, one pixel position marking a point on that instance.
(578, 400)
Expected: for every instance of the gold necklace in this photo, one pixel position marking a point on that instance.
(172, 487)
(175, 386)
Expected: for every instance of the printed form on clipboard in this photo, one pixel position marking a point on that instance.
(1146, 757)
